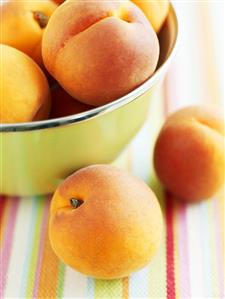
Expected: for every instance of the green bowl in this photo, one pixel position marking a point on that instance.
(37, 156)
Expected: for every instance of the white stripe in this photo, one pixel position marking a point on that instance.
(195, 247)
(75, 284)
(19, 247)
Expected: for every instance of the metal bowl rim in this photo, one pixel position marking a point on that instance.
(61, 121)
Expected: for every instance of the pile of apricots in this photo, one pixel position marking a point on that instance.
(64, 57)
(70, 56)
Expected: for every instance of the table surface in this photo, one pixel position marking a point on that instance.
(190, 262)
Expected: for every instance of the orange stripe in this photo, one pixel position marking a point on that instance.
(49, 272)
(4, 216)
(125, 293)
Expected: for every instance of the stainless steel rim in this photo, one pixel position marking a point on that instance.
(62, 121)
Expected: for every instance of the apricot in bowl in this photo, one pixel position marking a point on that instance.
(23, 23)
(24, 90)
(99, 51)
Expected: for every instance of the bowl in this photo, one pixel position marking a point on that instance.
(37, 156)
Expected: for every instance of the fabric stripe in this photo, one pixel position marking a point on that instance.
(60, 280)
(125, 294)
(134, 283)
(207, 56)
(195, 252)
(34, 247)
(108, 289)
(158, 266)
(3, 203)
(41, 246)
(21, 243)
(30, 237)
(90, 288)
(75, 284)
(176, 245)
(219, 240)
(49, 271)
(6, 248)
(170, 281)
(184, 286)
(215, 281)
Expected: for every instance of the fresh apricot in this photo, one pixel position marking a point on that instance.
(105, 222)
(155, 10)
(24, 90)
(99, 50)
(22, 25)
(189, 154)
(63, 104)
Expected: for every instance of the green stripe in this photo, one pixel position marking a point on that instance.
(60, 283)
(108, 289)
(35, 246)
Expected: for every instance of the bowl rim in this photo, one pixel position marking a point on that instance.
(78, 117)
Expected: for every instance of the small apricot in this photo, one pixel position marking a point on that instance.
(156, 11)
(189, 154)
(22, 25)
(24, 90)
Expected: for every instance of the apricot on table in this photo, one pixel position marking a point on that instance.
(24, 90)
(63, 104)
(22, 25)
(189, 154)
(99, 50)
(155, 10)
(104, 222)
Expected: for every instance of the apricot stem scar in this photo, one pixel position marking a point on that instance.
(41, 18)
(76, 202)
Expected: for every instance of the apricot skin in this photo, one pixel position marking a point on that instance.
(189, 153)
(156, 11)
(24, 90)
(99, 51)
(63, 104)
(20, 28)
(117, 229)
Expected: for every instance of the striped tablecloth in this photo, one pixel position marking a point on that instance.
(190, 262)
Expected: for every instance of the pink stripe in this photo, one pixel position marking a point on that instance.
(44, 229)
(170, 273)
(183, 252)
(219, 248)
(5, 252)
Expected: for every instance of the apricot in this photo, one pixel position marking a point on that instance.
(24, 90)
(104, 222)
(63, 104)
(189, 154)
(59, 1)
(155, 10)
(99, 50)
(22, 25)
